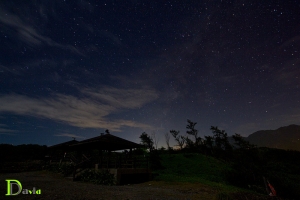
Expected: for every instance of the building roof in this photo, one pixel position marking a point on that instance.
(106, 142)
(63, 145)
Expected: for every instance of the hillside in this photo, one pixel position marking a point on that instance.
(287, 137)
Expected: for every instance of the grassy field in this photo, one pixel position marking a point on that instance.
(198, 169)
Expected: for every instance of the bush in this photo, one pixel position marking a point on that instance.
(155, 160)
(65, 168)
(97, 177)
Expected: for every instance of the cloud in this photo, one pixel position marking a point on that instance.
(123, 98)
(92, 110)
(6, 69)
(4, 131)
(69, 135)
(30, 35)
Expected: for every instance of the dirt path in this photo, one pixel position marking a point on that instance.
(54, 186)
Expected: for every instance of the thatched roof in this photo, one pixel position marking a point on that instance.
(105, 142)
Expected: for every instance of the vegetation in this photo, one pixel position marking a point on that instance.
(230, 167)
(97, 177)
(21, 153)
(216, 162)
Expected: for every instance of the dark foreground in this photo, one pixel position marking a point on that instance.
(54, 186)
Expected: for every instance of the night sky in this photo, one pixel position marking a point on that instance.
(76, 68)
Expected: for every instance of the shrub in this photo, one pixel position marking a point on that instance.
(64, 168)
(97, 177)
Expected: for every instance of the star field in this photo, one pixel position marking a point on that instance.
(76, 68)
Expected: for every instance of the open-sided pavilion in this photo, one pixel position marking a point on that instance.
(101, 152)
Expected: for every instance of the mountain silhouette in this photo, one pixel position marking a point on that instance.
(287, 137)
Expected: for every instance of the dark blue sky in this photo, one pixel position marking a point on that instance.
(75, 68)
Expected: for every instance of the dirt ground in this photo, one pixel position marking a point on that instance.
(53, 186)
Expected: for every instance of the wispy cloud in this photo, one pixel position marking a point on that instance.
(30, 35)
(69, 135)
(4, 131)
(122, 98)
(92, 110)
(6, 69)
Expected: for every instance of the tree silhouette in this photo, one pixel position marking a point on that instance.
(194, 132)
(154, 139)
(221, 140)
(147, 141)
(209, 142)
(179, 138)
(167, 137)
(241, 142)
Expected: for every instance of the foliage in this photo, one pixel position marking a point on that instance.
(221, 138)
(240, 142)
(155, 160)
(65, 168)
(280, 167)
(22, 152)
(242, 165)
(23, 166)
(191, 167)
(194, 132)
(147, 141)
(179, 138)
(97, 177)
(138, 151)
(167, 138)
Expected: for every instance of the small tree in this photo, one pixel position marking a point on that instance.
(209, 141)
(154, 139)
(167, 137)
(147, 141)
(179, 138)
(194, 132)
(241, 142)
(189, 143)
(154, 158)
(221, 139)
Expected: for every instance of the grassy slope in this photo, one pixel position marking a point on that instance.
(196, 168)
(192, 168)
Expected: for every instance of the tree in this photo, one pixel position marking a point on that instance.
(209, 141)
(221, 139)
(167, 137)
(147, 141)
(194, 132)
(154, 139)
(241, 142)
(179, 138)
(189, 143)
